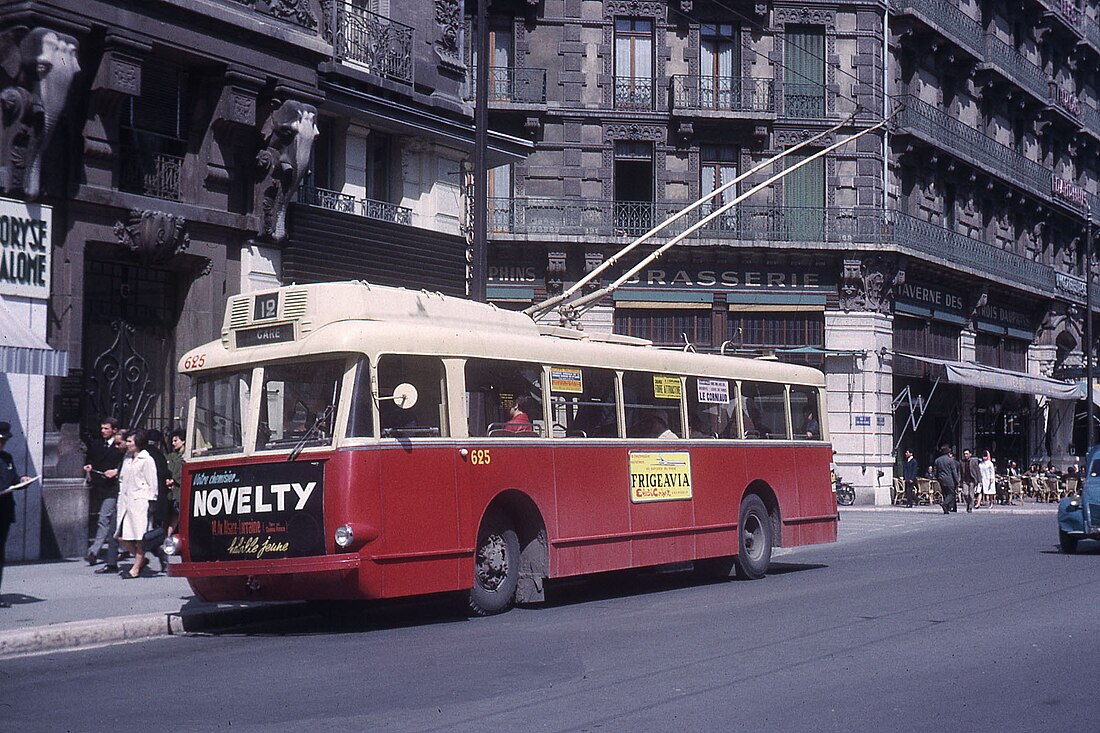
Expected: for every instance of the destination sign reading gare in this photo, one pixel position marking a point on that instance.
(26, 235)
(274, 334)
(258, 511)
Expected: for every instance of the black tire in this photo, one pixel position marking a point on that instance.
(1067, 542)
(496, 566)
(754, 539)
(845, 495)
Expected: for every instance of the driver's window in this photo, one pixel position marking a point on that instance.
(427, 418)
(298, 404)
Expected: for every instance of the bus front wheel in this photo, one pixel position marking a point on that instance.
(1067, 542)
(496, 566)
(754, 539)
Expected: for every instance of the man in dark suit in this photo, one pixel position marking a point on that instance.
(8, 477)
(947, 474)
(971, 476)
(909, 474)
(102, 463)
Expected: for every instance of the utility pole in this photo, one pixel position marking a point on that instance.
(1090, 431)
(479, 267)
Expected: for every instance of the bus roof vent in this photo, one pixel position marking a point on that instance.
(295, 304)
(618, 338)
(562, 332)
(238, 316)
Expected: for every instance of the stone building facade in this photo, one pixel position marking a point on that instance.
(954, 236)
(193, 149)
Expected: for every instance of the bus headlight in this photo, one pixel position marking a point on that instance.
(352, 536)
(345, 536)
(172, 545)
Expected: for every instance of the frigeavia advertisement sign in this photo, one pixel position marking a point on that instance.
(26, 231)
(258, 512)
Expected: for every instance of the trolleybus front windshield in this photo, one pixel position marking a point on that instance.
(221, 404)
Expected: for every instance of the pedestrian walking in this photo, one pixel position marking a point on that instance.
(9, 477)
(137, 488)
(101, 464)
(970, 473)
(909, 474)
(987, 481)
(947, 474)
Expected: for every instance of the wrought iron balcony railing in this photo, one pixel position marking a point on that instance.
(634, 92)
(722, 94)
(1091, 118)
(752, 224)
(1015, 67)
(1091, 29)
(381, 46)
(803, 100)
(947, 19)
(511, 86)
(348, 204)
(1065, 10)
(966, 143)
(151, 173)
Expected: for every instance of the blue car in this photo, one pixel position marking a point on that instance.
(1079, 516)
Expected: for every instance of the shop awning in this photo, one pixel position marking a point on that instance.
(1006, 380)
(22, 352)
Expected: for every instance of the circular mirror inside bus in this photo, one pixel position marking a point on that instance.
(405, 396)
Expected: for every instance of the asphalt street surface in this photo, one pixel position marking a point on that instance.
(912, 622)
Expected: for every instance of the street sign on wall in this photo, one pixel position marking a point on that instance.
(26, 234)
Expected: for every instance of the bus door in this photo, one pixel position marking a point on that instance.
(591, 472)
(420, 541)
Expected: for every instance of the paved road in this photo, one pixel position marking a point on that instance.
(912, 622)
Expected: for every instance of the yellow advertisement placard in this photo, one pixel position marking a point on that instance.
(659, 476)
(566, 379)
(666, 387)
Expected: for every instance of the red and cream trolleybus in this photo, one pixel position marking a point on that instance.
(350, 441)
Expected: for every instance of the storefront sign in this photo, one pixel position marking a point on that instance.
(1069, 285)
(659, 476)
(26, 236)
(257, 512)
(1003, 316)
(732, 279)
(931, 296)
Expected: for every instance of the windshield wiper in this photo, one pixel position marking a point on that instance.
(321, 419)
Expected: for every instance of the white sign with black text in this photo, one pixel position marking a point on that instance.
(26, 235)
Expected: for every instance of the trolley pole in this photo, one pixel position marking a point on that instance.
(1090, 431)
(479, 267)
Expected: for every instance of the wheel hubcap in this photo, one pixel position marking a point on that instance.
(492, 562)
(754, 537)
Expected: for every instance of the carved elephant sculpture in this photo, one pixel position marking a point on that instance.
(289, 134)
(38, 67)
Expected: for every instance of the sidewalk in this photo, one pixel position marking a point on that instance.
(63, 604)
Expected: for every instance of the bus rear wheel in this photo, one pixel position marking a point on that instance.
(754, 539)
(496, 566)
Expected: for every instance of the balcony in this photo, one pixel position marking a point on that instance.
(511, 86)
(750, 225)
(1091, 29)
(947, 20)
(1091, 119)
(1015, 67)
(1065, 11)
(1066, 102)
(372, 42)
(634, 93)
(940, 129)
(151, 164)
(804, 101)
(369, 208)
(722, 94)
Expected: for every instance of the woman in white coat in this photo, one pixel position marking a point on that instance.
(137, 486)
(988, 477)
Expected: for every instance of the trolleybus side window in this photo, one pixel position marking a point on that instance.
(426, 417)
(710, 404)
(221, 402)
(805, 417)
(652, 405)
(361, 419)
(765, 411)
(504, 398)
(583, 402)
(298, 403)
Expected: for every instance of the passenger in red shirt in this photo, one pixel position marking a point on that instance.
(519, 420)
